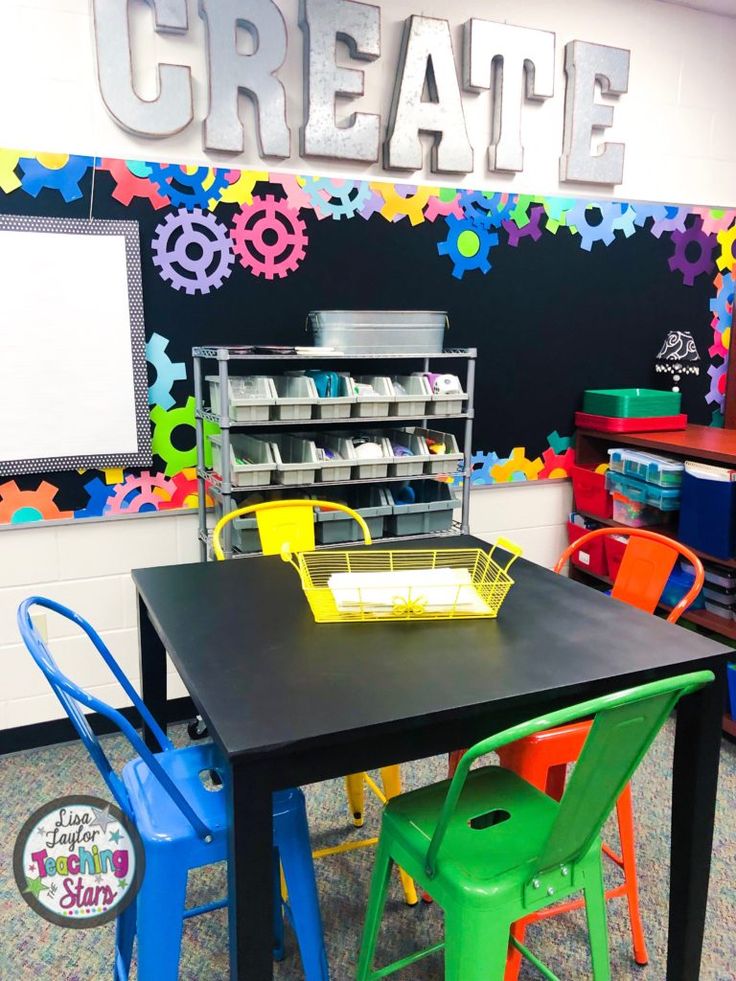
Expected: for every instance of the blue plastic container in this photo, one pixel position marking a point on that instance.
(677, 585)
(708, 515)
(732, 690)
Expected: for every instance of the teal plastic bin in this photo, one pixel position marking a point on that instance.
(631, 403)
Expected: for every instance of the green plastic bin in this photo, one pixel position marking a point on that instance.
(631, 403)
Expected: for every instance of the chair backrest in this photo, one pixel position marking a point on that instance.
(645, 568)
(623, 729)
(285, 526)
(73, 699)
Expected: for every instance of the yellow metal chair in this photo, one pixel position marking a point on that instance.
(286, 527)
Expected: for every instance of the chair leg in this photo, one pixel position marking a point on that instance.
(514, 959)
(161, 904)
(278, 909)
(595, 909)
(124, 936)
(391, 780)
(292, 840)
(355, 790)
(625, 814)
(476, 946)
(374, 912)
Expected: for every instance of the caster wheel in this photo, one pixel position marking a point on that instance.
(197, 729)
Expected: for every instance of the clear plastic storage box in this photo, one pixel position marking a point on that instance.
(654, 469)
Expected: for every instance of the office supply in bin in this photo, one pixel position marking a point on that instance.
(369, 585)
(631, 402)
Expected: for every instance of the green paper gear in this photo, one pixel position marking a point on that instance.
(165, 421)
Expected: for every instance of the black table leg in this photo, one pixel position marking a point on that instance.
(250, 874)
(695, 780)
(153, 673)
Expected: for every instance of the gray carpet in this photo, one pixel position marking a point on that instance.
(32, 948)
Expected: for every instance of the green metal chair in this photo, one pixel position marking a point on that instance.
(491, 849)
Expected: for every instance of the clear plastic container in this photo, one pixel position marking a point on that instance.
(637, 514)
(664, 498)
(654, 469)
(249, 397)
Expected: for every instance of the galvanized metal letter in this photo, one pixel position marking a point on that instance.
(586, 64)
(358, 25)
(171, 111)
(231, 73)
(503, 57)
(427, 63)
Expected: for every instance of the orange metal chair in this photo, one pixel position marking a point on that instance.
(543, 759)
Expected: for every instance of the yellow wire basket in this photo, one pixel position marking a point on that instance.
(369, 585)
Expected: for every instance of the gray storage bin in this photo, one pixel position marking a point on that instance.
(379, 331)
(295, 396)
(257, 472)
(411, 395)
(439, 463)
(296, 460)
(374, 406)
(444, 404)
(341, 466)
(431, 510)
(249, 397)
(404, 466)
(335, 527)
(337, 406)
(372, 466)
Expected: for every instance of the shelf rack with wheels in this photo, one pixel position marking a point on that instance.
(220, 485)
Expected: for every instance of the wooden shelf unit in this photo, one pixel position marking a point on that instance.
(703, 443)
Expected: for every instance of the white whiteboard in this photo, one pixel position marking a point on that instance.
(73, 386)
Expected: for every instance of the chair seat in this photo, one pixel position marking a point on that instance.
(156, 815)
(475, 860)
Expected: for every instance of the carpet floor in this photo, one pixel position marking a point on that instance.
(32, 948)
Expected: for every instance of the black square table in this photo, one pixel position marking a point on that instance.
(291, 702)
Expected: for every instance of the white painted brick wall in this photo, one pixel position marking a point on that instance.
(86, 566)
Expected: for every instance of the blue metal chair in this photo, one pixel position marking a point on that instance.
(183, 824)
